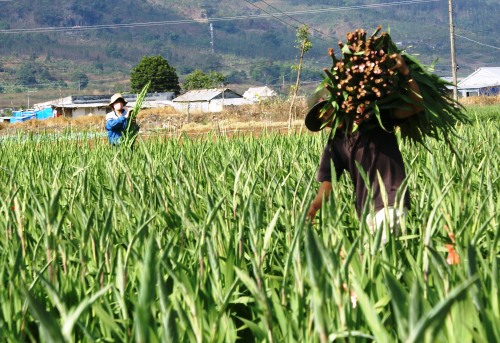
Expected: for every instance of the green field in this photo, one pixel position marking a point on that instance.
(206, 240)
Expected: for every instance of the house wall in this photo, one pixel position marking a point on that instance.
(192, 107)
(78, 112)
(88, 111)
(488, 91)
(199, 107)
(216, 105)
(469, 92)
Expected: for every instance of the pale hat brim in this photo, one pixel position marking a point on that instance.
(117, 97)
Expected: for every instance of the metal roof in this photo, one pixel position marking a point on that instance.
(206, 95)
(481, 78)
(83, 101)
(90, 99)
(86, 105)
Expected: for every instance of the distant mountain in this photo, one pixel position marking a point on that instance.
(249, 41)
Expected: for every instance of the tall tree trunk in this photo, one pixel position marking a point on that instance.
(296, 88)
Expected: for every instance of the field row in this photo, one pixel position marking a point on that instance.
(205, 239)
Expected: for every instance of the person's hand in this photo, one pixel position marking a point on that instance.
(416, 104)
(128, 114)
(400, 65)
(323, 192)
(311, 213)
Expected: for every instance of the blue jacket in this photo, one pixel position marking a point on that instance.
(116, 125)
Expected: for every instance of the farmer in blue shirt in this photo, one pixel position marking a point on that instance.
(117, 119)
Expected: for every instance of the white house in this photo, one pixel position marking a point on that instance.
(77, 106)
(208, 100)
(259, 93)
(484, 81)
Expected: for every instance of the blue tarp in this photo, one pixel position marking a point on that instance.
(44, 114)
(20, 116)
(22, 113)
(20, 119)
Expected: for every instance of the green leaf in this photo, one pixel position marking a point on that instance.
(438, 313)
(48, 324)
(167, 313)
(73, 315)
(375, 324)
(258, 332)
(399, 303)
(143, 318)
(345, 50)
(269, 231)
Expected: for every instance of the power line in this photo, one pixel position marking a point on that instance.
(474, 32)
(298, 21)
(215, 19)
(272, 15)
(475, 41)
(439, 35)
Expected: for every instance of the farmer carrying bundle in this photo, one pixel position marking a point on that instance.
(371, 90)
(367, 84)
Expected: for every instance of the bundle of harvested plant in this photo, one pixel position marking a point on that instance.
(363, 83)
(132, 129)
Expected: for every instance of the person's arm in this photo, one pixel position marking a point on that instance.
(414, 94)
(119, 123)
(324, 191)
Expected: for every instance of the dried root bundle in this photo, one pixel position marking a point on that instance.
(362, 84)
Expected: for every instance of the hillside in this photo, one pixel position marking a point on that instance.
(53, 48)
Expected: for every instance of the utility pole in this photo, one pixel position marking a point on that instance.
(212, 37)
(28, 91)
(223, 91)
(453, 57)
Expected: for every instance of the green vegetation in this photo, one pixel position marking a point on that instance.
(199, 80)
(32, 74)
(81, 79)
(205, 240)
(155, 71)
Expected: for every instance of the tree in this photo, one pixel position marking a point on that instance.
(157, 70)
(269, 73)
(25, 75)
(199, 80)
(304, 45)
(44, 75)
(81, 79)
(236, 76)
(113, 50)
